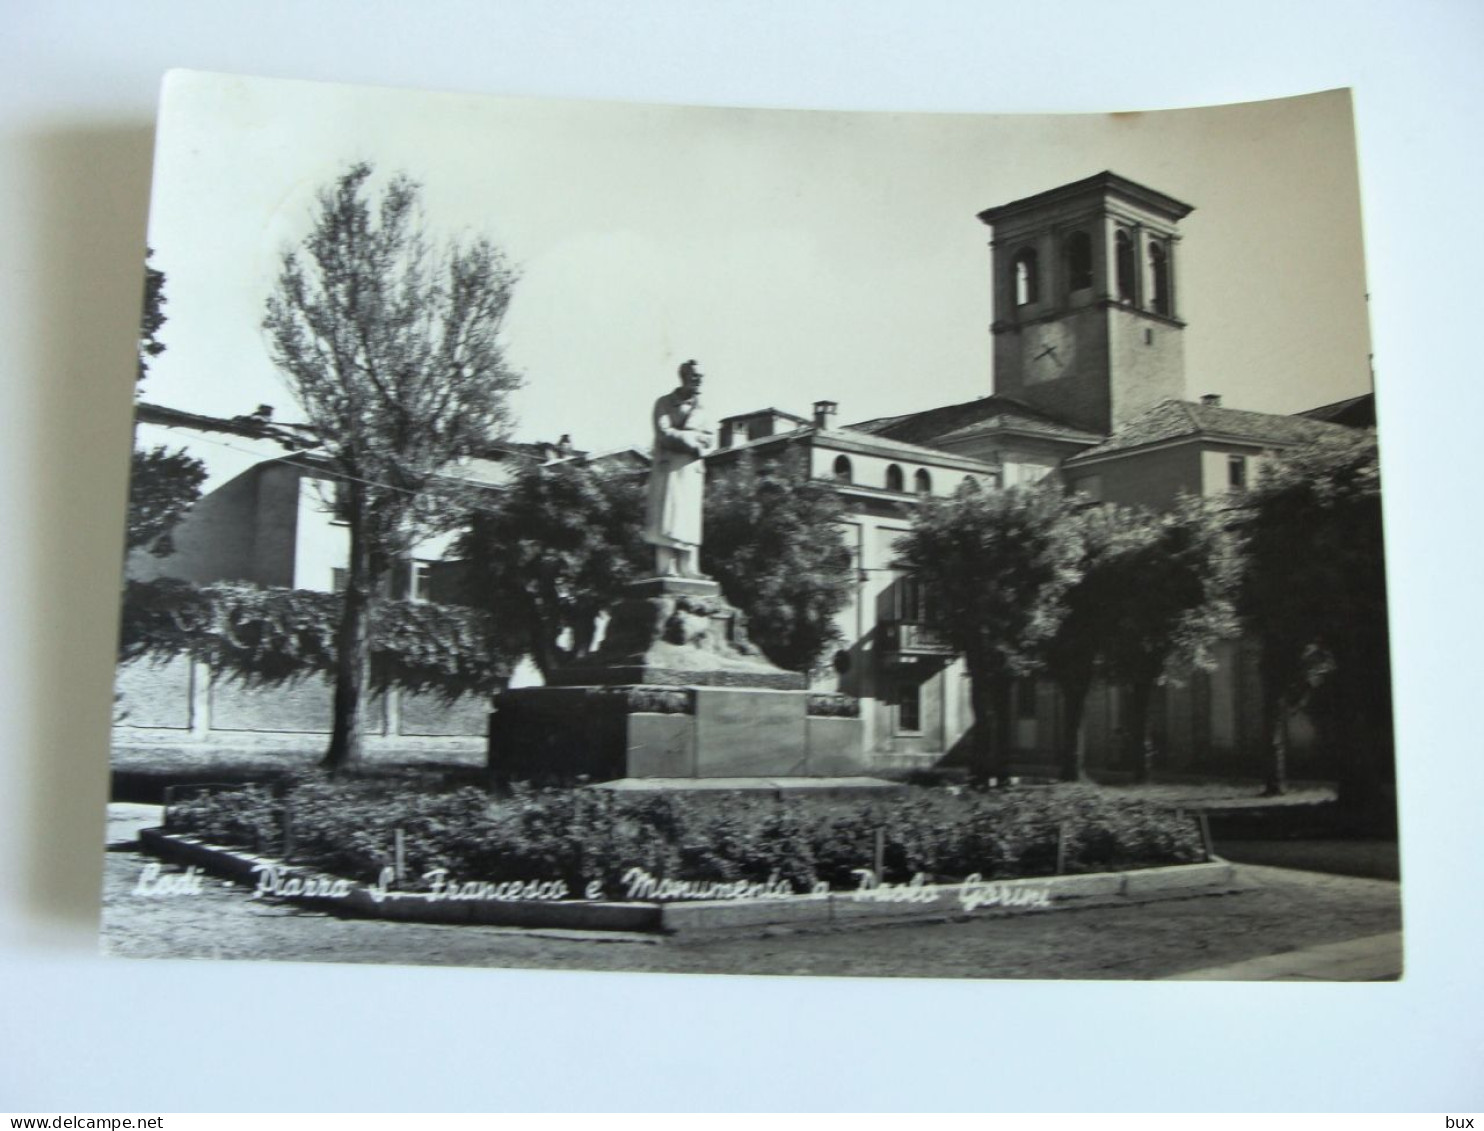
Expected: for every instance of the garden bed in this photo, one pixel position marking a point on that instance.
(595, 843)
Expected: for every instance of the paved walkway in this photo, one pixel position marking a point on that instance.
(1376, 958)
(126, 818)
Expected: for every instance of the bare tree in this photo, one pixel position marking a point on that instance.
(391, 345)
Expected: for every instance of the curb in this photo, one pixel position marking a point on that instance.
(882, 903)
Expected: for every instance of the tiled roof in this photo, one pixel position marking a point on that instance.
(768, 412)
(869, 443)
(852, 439)
(959, 421)
(1172, 420)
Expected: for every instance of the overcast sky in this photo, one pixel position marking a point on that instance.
(798, 255)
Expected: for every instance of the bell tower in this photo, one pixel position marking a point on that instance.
(1087, 325)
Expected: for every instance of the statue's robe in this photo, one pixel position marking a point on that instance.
(677, 476)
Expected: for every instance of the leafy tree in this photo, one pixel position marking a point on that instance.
(390, 344)
(773, 540)
(1314, 594)
(163, 485)
(998, 566)
(1105, 535)
(552, 554)
(1170, 591)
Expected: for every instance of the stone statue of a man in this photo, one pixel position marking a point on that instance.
(677, 477)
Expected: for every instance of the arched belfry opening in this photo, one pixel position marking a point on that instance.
(1079, 261)
(1025, 277)
(1159, 279)
(1125, 266)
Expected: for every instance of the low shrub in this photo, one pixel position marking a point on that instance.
(587, 836)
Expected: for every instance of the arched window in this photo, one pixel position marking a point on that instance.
(1025, 276)
(894, 481)
(969, 484)
(1123, 254)
(922, 482)
(842, 470)
(1159, 278)
(1079, 261)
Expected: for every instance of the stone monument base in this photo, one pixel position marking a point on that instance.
(561, 735)
(676, 691)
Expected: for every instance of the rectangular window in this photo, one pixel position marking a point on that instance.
(1236, 473)
(339, 578)
(419, 578)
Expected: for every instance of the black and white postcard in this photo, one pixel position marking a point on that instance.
(652, 538)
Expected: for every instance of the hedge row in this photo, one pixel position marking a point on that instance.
(582, 836)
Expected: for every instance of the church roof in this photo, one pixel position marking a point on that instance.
(935, 426)
(1174, 420)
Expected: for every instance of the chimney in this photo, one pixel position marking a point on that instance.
(1211, 400)
(823, 410)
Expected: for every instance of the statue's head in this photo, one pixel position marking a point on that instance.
(690, 374)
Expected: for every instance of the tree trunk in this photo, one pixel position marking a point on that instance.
(352, 657)
(981, 749)
(1074, 741)
(1139, 755)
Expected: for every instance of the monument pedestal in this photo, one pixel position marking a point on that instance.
(676, 691)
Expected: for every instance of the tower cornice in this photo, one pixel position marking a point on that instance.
(1102, 185)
